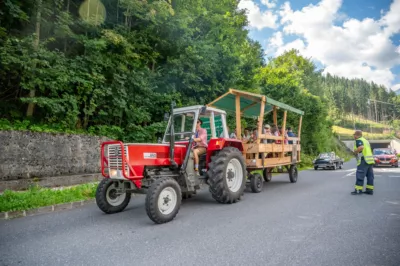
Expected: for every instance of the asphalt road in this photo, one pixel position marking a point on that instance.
(312, 222)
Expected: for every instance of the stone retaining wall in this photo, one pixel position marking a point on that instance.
(28, 155)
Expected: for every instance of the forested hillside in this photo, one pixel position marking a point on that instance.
(358, 97)
(111, 67)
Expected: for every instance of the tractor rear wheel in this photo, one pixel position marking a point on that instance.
(227, 175)
(163, 200)
(109, 199)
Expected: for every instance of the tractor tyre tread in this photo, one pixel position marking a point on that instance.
(152, 199)
(216, 176)
(101, 198)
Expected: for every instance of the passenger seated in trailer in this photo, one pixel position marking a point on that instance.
(290, 134)
(231, 135)
(276, 132)
(267, 131)
(199, 144)
(286, 138)
(234, 134)
(246, 135)
(253, 137)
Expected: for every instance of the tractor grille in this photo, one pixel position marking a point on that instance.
(115, 157)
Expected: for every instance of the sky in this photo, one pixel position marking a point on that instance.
(348, 38)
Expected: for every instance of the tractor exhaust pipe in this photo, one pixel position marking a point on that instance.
(172, 139)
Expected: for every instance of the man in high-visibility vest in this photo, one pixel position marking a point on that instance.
(365, 162)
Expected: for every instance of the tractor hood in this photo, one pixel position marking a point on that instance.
(141, 155)
(153, 153)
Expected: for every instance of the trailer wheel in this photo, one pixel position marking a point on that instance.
(293, 173)
(227, 175)
(267, 174)
(108, 199)
(256, 183)
(163, 200)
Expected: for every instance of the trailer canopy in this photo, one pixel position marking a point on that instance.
(250, 103)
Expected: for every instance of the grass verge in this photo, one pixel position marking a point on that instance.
(346, 133)
(37, 197)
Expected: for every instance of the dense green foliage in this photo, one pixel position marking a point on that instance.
(121, 75)
(111, 67)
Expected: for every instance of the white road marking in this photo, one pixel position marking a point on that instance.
(304, 217)
(394, 176)
(347, 170)
(392, 202)
(353, 174)
(387, 170)
(296, 238)
(350, 174)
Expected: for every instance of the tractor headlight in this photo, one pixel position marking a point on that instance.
(113, 172)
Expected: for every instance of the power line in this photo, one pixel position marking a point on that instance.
(381, 102)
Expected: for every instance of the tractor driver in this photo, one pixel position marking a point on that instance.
(200, 144)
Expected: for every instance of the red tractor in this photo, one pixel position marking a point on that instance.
(165, 171)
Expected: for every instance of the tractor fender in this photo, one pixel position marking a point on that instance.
(220, 143)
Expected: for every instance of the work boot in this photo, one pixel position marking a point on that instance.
(196, 172)
(369, 192)
(356, 192)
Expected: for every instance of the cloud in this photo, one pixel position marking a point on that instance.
(297, 44)
(259, 19)
(269, 3)
(396, 87)
(353, 48)
(392, 18)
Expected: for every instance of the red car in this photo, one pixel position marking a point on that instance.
(385, 157)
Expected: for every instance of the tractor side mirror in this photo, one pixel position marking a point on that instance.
(166, 116)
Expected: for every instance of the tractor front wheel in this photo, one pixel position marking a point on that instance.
(227, 175)
(163, 200)
(110, 197)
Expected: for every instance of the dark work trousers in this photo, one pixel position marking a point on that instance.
(363, 170)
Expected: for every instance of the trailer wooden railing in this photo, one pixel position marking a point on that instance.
(260, 154)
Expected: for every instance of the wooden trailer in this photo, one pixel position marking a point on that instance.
(267, 152)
